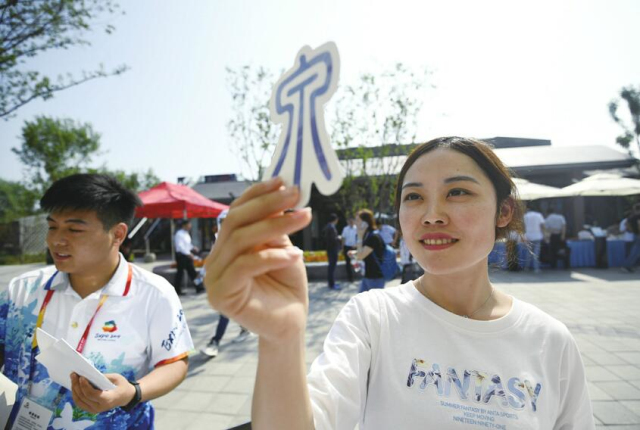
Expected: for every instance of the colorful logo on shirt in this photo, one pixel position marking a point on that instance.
(109, 327)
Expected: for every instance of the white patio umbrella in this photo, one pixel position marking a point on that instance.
(603, 184)
(532, 191)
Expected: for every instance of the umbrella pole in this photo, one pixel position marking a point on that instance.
(173, 250)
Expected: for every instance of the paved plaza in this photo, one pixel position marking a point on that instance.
(600, 307)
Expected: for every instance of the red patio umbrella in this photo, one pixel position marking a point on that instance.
(174, 201)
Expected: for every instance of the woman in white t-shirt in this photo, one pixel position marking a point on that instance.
(447, 351)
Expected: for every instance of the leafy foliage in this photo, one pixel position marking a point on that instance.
(16, 201)
(370, 120)
(52, 149)
(367, 119)
(32, 27)
(254, 135)
(631, 128)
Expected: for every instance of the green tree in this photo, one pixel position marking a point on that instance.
(136, 181)
(631, 128)
(253, 133)
(16, 201)
(367, 120)
(31, 28)
(54, 148)
(370, 119)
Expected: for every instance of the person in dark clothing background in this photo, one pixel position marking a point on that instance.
(333, 243)
(370, 250)
(349, 242)
(633, 225)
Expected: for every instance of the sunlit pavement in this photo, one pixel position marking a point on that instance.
(600, 307)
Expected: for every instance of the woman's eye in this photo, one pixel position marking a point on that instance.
(458, 192)
(51, 228)
(411, 196)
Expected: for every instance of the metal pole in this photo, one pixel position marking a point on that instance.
(173, 249)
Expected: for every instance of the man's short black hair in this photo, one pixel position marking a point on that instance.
(111, 201)
(333, 217)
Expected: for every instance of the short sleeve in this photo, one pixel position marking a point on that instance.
(169, 335)
(338, 377)
(575, 411)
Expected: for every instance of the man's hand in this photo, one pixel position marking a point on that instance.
(94, 400)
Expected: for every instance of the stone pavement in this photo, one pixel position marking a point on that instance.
(600, 307)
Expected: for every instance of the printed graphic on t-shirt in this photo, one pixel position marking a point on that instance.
(476, 397)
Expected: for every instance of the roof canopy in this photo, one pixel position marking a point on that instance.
(169, 200)
(603, 184)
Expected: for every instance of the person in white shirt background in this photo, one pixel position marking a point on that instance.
(387, 232)
(627, 233)
(349, 242)
(185, 254)
(534, 233)
(556, 226)
(441, 352)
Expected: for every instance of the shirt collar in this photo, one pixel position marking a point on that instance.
(115, 287)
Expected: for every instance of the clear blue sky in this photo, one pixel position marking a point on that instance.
(543, 69)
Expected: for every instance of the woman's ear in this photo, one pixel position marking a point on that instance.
(506, 212)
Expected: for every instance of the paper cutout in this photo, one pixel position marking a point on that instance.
(8, 392)
(61, 359)
(304, 154)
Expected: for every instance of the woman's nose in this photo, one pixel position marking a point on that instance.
(434, 214)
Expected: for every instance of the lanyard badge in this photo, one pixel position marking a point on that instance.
(32, 415)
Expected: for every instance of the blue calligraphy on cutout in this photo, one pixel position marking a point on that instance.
(304, 154)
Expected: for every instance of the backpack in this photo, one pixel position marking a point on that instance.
(388, 266)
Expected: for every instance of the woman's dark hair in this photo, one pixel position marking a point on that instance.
(367, 216)
(111, 201)
(491, 165)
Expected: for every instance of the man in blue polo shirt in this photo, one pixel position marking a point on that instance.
(128, 322)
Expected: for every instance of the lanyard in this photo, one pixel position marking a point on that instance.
(85, 335)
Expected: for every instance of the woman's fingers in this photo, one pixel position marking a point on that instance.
(258, 189)
(269, 232)
(229, 292)
(260, 207)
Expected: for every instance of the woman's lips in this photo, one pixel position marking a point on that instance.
(438, 244)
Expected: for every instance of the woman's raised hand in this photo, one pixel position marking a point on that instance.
(254, 274)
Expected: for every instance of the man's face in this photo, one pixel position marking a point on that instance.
(78, 241)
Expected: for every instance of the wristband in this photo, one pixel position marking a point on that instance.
(136, 398)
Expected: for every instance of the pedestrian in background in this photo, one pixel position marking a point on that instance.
(556, 225)
(333, 243)
(185, 254)
(534, 233)
(370, 249)
(387, 232)
(349, 242)
(633, 224)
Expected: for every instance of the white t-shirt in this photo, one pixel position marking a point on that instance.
(350, 235)
(533, 222)
(135, 331)
(182, 242)
(627, 235)
(555, 222)
(386, 233)
(395, 360)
